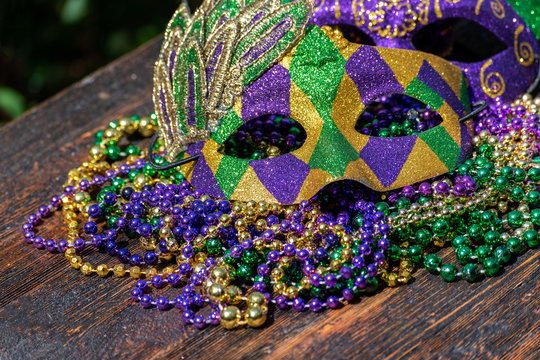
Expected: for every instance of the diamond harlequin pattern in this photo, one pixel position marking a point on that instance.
(326, 65)
(386, 158)
(318, 68)
(260, 100)
(367, 68)
(332, 152)
(431, 78)
(205, 179)
(283, 188)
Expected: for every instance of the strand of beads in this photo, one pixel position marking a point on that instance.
(485, 209)
(91, 177)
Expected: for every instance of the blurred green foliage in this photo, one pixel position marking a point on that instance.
(45, 45)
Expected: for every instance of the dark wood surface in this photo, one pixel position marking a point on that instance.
(49, 310)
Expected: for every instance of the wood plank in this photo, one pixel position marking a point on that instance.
(49, 310)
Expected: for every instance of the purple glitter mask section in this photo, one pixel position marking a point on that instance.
(467, 9)
(386, 156)
(496, 16)
(466, 144)
(171, 65)
(371, 75)
(515, 79)
(268, 95)
(195, 148)
(203, 178)
(212, 63)
(431, 78)
(271, 172)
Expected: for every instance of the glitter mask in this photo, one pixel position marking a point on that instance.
(324, 83)
(395, 23)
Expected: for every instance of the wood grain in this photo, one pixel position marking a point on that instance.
(49, 310)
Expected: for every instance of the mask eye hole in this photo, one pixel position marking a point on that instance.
(458, 39)
(395, 116)
(355, 35)
(264, 137)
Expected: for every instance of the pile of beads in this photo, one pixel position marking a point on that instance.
(238, 258)
(265, 137)
(220, 253)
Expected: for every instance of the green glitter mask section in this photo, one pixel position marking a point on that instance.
(230, 172)
(529, 10)
(230, 123)
(441, 143)
(317, 68)
(191, 93)
(333, 152)
(224, 10)
(424, 93)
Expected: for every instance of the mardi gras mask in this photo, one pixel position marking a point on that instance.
(324, 83)
(403, 23)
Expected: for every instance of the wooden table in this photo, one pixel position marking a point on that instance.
(48, 310)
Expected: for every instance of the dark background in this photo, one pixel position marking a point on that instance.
(45, 45)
